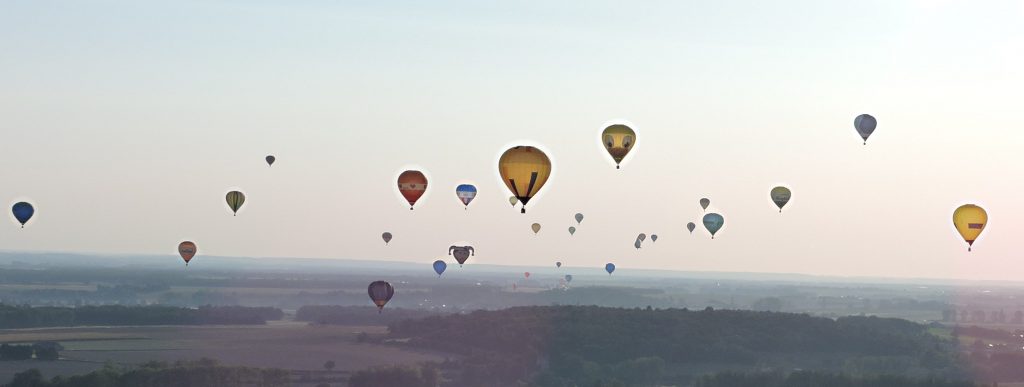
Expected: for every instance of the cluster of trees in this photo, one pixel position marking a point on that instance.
(427, 375)
(202, 373)
(587, 345)
(819, 379)
(43, 351)
(33, 317)
(356, 315)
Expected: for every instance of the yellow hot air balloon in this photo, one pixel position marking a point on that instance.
(524, 169)
(618, 140)
(970, 221)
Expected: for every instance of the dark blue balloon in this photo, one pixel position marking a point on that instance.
(439, 267)
(609, 268)
(23, 212)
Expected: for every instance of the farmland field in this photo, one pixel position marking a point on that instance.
(286, 345)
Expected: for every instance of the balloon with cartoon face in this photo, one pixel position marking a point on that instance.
(461, 253)
(618, 140)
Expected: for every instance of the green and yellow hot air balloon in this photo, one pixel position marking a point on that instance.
(970, 221)
(618, 140)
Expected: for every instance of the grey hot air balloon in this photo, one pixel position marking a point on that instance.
(691, 226)
(461, 253)
(270, 160)
(865, 125)
(386, 236)
(654, 237)
(572, 230)
(781, 195)
(713, 222)
(704, 203)
(642, 237)
(637, 244)
(579, 218)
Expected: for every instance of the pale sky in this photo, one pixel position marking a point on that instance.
(126, 123)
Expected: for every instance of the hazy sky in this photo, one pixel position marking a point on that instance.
(126, 123)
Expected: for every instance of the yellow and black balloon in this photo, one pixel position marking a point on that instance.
(618, 140)
(525, 170)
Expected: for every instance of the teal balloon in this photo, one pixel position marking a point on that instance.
(713, 222)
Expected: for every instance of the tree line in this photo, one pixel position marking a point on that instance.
(201, 373)
(34, 317)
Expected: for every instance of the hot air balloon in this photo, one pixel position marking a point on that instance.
(187, 249)
(713, 222)
(386, 237)
(572, 230)
(461, 253)
(558, 264)
(466, 193)
(535, 227)
(609, 268)
(704, 203)
(235, 201)
(380, 292)
(568, 278)
(513, 200)
(23, 212)
(527, 275)
(579, 218)
(412, 185)
(970, 221)
(781, 195)
(654, 238)
(618, 140)
(637, 244)
(642, 237)
(865, 125)
(690, 226)
(271, 159)
(439, 267)
(524, 169)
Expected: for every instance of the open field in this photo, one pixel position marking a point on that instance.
(290, 346)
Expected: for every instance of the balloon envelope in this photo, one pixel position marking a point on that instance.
(579, 218)
(618, 140)
(525, 170)
(781, 195)
(637, 244)
(535, 227)
(465, 193)
(572, 230)
(713, 222)
(642, 237)
(568, 278)
(691, 226)
(970, 221)
(609, 268)
(865, 125)
(526, 274)
(380, 292)
(412, 185)
(439, 267)
(513, 200)
(23, 211)
(558, 264)
(235, 201)
(271, 159)
(187, 249)
(704, 203)
(654, 238)
(461, 253)
(386, 237)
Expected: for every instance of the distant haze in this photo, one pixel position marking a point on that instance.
(125, 123)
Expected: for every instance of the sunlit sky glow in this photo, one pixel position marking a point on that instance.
(126, 122)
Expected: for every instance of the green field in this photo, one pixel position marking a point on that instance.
(291, 346)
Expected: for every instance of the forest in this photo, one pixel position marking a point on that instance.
(118, 315)
(586, 345)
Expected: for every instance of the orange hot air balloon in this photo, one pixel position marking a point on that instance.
(187, 249)
(412, 185)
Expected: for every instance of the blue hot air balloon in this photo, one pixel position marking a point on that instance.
(609, 268)
(568, 278)
(439, 267)
(713, 222)
(466, 193)
(23, 212)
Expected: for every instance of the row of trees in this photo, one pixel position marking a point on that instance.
(356, 315)
(33, 317)
(819, 379)
(202, 373)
